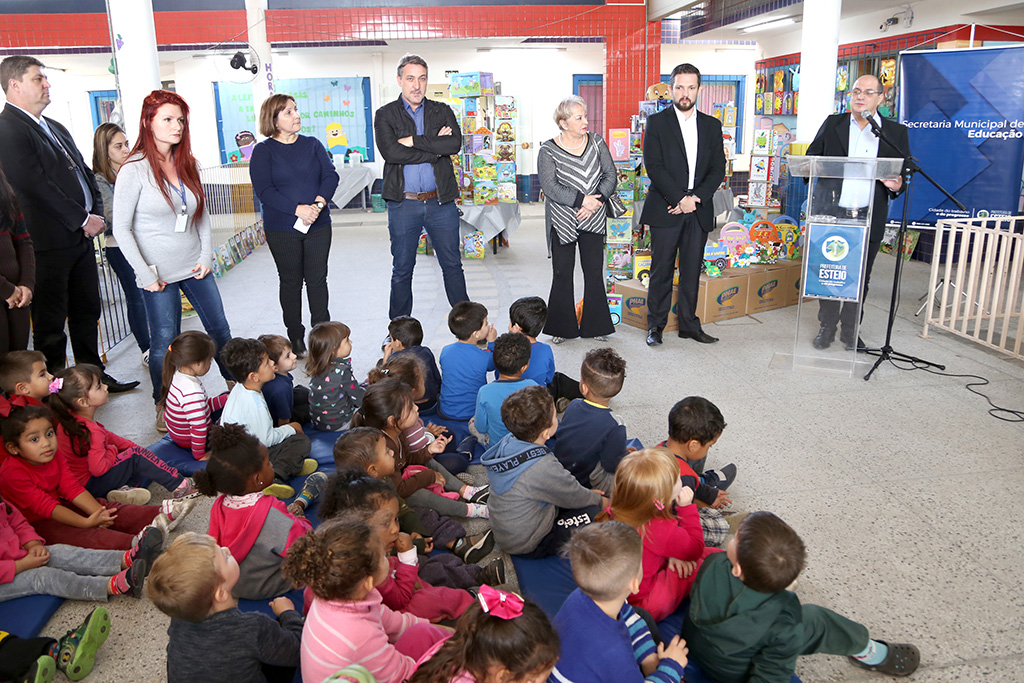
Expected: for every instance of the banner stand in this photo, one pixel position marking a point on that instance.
(835, 252)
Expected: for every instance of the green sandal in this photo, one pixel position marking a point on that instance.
(902, 660)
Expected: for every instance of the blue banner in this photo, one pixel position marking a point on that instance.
(335, 111)
(834, 261)
(965, 112)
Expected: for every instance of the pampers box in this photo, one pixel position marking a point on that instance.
(725, 297)
(766, 289)
(634, 305)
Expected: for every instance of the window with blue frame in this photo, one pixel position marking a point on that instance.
(722, 90)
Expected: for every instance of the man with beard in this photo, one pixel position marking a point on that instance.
(685, 159)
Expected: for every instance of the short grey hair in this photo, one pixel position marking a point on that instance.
(410, 58)
(564, 109)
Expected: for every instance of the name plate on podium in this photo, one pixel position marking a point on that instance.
(834, 261)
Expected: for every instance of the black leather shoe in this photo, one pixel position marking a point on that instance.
(654, 338)
(826, 335)
(699, 336)
(299, 347)
(115, 387)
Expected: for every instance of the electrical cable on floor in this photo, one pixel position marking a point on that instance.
(995, 411)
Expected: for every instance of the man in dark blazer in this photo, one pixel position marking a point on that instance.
(850, 135)
(679, 203)
(417, 137)
(63, 211)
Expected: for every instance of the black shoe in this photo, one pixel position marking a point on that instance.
(116, 387)
(299, 347)
(481, 496)
(472, 549)
(728, 476)
(861, 346)
(826, 335)
(699, 336)
(654, 337)
(493, 574)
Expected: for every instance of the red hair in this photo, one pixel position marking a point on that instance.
(184, 162)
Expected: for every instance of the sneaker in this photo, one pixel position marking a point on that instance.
(562, 404)
(477, 511)
(76, 651)
(482, 495)
(128, 495)
(728, 476)
(309, 466)
(314, 486)
(472, 549)
(557, 340)
(279, 491)
(145, 358)
(41, 671)
(186, 489)
(161, 426)
(176, 510)
(135, 577)
(493, 574)
(146, 546)
(600, 337)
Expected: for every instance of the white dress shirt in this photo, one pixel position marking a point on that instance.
(857, 194)
(688, 127)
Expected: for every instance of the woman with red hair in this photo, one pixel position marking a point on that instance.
(163, 229)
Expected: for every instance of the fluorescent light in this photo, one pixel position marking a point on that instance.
(768, 25)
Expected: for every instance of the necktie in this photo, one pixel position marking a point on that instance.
(86, 192)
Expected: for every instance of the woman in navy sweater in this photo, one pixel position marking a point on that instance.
(293, 175)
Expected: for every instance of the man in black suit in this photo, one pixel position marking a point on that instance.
(63, 211)
(851, 135)
(678, 207)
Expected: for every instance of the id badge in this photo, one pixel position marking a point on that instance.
(181, 223)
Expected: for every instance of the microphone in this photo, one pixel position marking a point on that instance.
(869, 116)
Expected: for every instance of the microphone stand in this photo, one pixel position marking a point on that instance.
(910, 169)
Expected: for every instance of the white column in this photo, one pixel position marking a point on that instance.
(263, 85)
(819, 52)
(138, 69)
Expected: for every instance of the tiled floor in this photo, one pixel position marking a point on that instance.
(907, 493)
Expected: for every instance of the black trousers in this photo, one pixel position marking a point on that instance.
(67, 289)
(596, 319)
(301, 259)
(15, 325)
(688, 242)
(18, 654)
(831, 313)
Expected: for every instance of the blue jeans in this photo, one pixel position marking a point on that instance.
(164, 312)
(72, 572)
(132, 297)
(406, 220)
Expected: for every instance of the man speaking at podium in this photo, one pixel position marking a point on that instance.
(851, 135)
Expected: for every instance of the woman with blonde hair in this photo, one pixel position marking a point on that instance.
(578, 176)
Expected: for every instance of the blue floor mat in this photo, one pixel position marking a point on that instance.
(26, 617)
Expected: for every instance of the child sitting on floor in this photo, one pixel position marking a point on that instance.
(591, 439)
(343, 562)
(405, 590)
(188, 411)
(465, 364)
(334, 393)
(503, 639)
(24, 373)
(406, 336)
(535, 503)
(694, 425)
(29, 567)
(35, 660)
(38, 482)
(287, 402)
(366, 448)
(527, 316)
(258, 529)
(388, 405)
(209, 638)
(649, 497)
(604, 640)
(511, 358)
(109, 466)
(745, 625)
(248, 362)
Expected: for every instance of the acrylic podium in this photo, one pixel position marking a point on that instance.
(835, 242)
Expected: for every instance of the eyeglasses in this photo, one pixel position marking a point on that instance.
(869, 93)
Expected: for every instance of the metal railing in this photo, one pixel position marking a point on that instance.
(233, 209)
(976, 288)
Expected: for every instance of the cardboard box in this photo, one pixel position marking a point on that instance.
(794, 274)
(634, 305)
(766, 289)
(726, 296)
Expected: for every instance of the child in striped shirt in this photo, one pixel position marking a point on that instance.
(188, 411)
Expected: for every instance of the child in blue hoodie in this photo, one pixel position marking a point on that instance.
(535, 503)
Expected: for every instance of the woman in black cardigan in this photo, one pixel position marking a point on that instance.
(17, 271)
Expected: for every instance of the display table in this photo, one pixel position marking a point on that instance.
(490, 219)
(353, 180)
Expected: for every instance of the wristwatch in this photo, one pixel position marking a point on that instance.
(319, 205)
